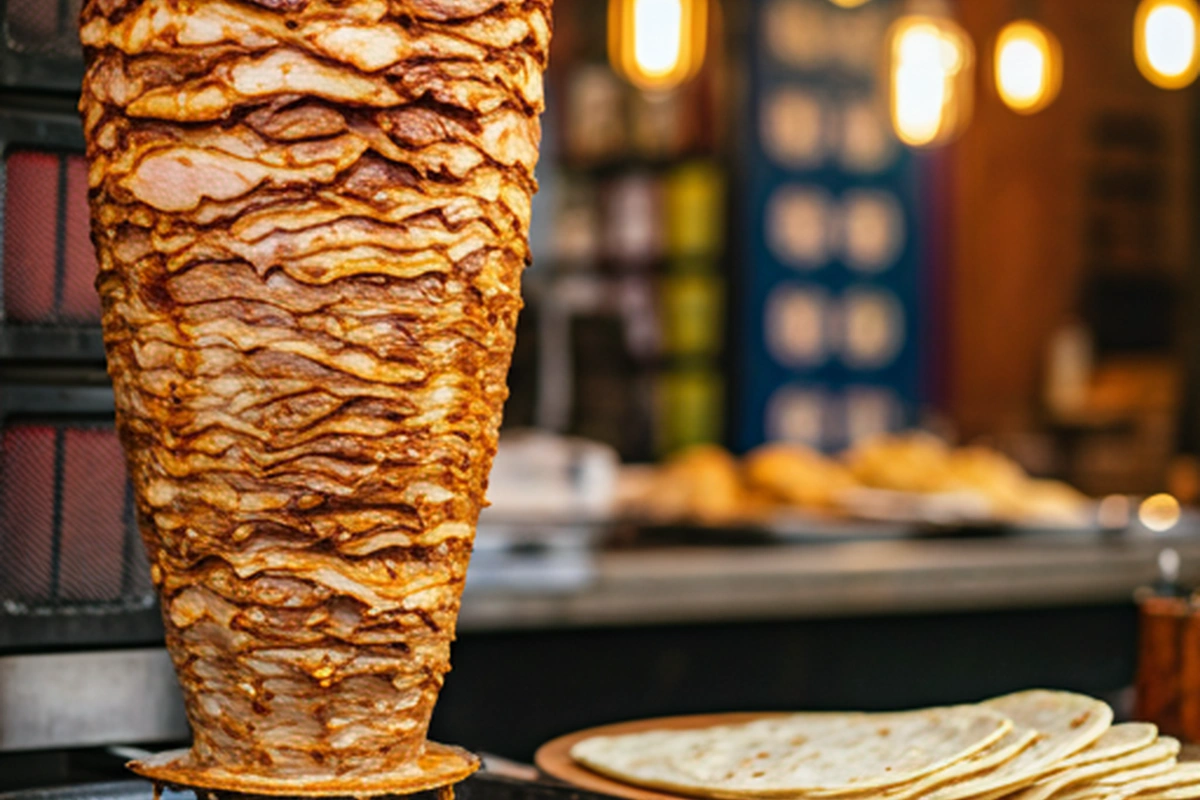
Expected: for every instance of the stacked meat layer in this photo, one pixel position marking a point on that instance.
(311, 218)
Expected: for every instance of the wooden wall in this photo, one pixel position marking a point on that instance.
(1024, 225)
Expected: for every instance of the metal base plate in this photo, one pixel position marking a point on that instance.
(441, 765)
(480, 786)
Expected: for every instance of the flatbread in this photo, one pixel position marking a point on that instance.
(1114, 743)
(1127, 776)
(1129, 782)
(1180, 783)
(1160, 752)
(1067, 722)
(797, 754)
(1003, 751)
(1189, 792)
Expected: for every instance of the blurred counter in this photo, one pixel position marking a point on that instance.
(710, 584)
(878, 624)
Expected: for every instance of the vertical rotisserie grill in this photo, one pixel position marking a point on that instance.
(311, 218)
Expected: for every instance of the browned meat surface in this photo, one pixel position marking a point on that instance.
(311, 217)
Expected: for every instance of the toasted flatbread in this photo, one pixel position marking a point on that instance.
(1161, 752)
(797, 754)
(1067, 722)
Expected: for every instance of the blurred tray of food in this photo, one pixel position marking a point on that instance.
(889, 486)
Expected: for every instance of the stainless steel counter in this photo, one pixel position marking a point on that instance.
(644, 587)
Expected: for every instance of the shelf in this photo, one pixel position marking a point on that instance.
(39, 633)
(43, 343)
(48, 400)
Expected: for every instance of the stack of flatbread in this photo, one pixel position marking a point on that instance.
(1035, 745)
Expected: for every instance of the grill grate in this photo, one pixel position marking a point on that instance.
(68, 535)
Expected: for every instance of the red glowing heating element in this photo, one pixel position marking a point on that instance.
(27, 503)
(63, 504)
(92, 525)
(49, 265)
(80, 302)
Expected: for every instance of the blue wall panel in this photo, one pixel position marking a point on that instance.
(830, 273)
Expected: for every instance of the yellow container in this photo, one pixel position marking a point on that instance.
(691, 407)
(695, 205)
(693, 312)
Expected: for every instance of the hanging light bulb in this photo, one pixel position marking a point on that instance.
(1028, 66)
(657, 44)
(849, 3)
(1165, 34)
(932, 63)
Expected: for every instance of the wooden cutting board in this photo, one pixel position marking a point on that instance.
(554, 757)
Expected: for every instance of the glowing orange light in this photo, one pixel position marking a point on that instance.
(930, 83)
(1028, 66)
(657, 44)
(1160, 513)
(1165, 36)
